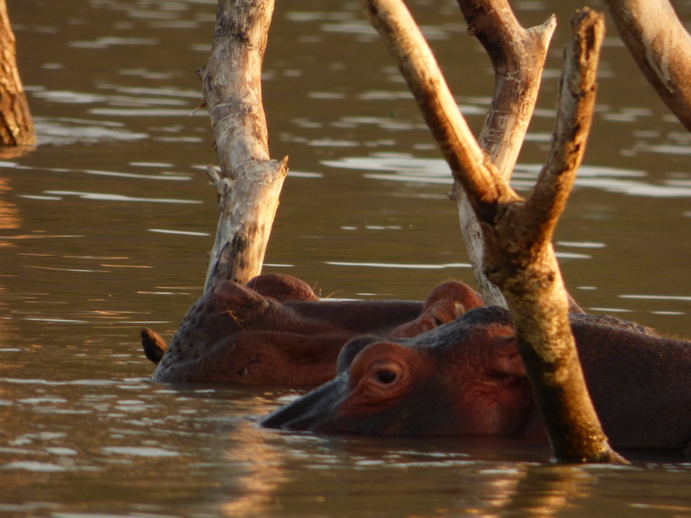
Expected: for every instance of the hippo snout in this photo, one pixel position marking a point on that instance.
(312, 412)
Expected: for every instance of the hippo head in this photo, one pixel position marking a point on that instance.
(465, 377)
(247, 334)
(274, 330)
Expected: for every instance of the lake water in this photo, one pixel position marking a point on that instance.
(106, 226)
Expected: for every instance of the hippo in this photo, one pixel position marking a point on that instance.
(275, 330)
(467, 377)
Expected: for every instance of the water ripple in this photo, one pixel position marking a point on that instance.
(119, 197)
(399, 265)
(137, 451)
(409, 169)
(28, 465)
(110, 41)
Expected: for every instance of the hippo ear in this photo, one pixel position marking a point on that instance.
(239, 297)
(504, 359)
(283, 288)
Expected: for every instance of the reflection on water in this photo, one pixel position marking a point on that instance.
(105, 227)
(407, 168)
(65, 131)
(9, 218)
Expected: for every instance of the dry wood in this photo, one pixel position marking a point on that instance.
(519, 257)
(249, 182)
(518, 57)
(16, 126)
(661, 47)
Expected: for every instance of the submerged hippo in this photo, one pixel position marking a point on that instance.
(276, 330)
(467, 377)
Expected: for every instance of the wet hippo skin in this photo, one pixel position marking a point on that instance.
(276, 330)
(467, 377)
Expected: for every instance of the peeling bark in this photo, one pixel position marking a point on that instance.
(519, 257)
(249, 182)
(661, 47)
(16, 125)
(518, 58)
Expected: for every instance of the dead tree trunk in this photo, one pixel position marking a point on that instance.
(16, 126)
(661, 47)
(249, 183)
(518, 57)
(518, 256)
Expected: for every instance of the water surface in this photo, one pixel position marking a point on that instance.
(106, 227)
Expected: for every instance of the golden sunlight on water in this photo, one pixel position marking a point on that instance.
(260, 475)
(9, 213)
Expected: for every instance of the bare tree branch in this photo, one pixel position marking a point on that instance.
(661, 47)
(518, 259)
(457, 143)
(518, 57)
(572, 126)
(250, 182)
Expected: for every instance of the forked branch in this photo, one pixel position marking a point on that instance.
(470, 165)
(518, 56)
(518, 257)
(520, 260)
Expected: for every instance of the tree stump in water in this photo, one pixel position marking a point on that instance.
(249, 182)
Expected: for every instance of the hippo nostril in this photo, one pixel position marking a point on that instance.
(386, 376)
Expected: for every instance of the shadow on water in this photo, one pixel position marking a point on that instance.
(106, 225)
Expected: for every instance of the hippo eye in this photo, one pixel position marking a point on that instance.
(386, 376)
(380, 372)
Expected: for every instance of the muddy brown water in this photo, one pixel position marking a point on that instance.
(105, 227)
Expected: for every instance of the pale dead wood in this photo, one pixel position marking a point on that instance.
(518, 57)
(16, 125)
(661, 47)
(518, 259)
(249, 182)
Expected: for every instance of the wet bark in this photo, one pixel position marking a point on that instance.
(518, 252)
(249, 181)
(661, 47)
(16, 125)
